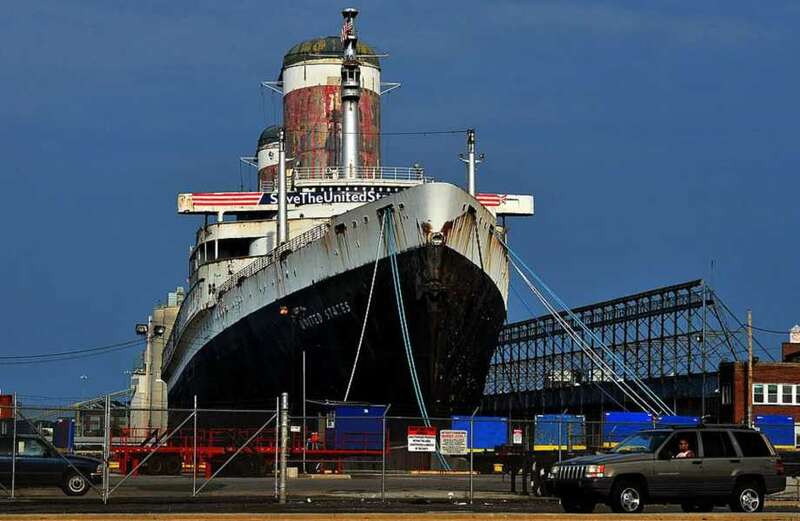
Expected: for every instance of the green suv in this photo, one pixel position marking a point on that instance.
(698, 468)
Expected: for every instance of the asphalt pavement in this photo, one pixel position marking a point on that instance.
(358, 494)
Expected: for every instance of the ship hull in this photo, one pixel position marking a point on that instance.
(454, 312)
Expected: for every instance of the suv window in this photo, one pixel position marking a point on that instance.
(680, 445)
(752, 444)
(717, 444)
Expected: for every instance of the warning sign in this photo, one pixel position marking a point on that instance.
(453, 443)
(421, 439)
(516, 436)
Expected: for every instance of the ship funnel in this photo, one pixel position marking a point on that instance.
(351, 92)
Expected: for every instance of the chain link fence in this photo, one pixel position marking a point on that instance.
(349, 452)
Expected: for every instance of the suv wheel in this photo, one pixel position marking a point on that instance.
(75, 485)
(747, 497)
(627, 497)
(577, 506)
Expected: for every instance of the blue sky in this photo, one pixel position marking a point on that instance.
(655, 136)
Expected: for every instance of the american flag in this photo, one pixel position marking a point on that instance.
(491, 200)
(226, 198)
(347, 28)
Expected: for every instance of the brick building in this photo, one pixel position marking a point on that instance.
(775, 385)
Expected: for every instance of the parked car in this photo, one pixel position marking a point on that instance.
(38, 465)
(698, 468)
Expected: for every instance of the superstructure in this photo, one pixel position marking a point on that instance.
(291, 268)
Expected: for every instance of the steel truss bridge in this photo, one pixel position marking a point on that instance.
(673, 338)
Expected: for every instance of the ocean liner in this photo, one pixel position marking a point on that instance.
(304, 264)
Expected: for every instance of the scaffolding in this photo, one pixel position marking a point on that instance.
(673, 338)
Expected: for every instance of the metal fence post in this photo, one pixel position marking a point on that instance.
(305, 435)
(384, 441)
(284, 445)
(194, 449)
(106, 448)
(14, 450)
(560, 427)
(472, 454)
(277, 442)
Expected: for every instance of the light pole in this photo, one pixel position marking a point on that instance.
(150, 331)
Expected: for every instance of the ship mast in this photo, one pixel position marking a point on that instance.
(351, 92)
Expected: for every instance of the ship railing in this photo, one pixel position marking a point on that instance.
(188, 309)
(190, 305)
(278, 253)
(392, 175)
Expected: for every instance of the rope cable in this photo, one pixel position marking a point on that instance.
(594, 356)
(614, 356)
(366, 313)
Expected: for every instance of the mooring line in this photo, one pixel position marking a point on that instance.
(366, 313)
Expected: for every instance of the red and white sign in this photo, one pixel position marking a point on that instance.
(453, 443)
(507, 204)
(516, 436)
(421, 439)
(490, 200)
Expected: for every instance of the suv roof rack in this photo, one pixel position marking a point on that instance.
(702, 425)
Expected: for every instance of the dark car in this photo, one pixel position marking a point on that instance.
(38, 465)
(698, 468)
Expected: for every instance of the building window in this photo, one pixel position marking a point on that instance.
(758, 393)
(787, 394)
(726, 395)
(772, 393)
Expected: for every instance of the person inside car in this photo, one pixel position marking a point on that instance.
(684, 451)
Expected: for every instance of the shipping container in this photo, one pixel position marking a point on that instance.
(490, 431)
(64, 434)
(619, 425)
(353, 427)
(559, 432)
(6, 406)
(778, 428)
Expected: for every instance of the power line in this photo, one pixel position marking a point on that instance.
(408, 133)
(125, 344)
(70, 357)
(772, 331)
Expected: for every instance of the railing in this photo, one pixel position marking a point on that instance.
(378, 174)
(185, 313)
(266, 260)
(189, 303)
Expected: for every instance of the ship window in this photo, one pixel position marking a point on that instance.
(366, 219)
(340, 228)
(355, 224)
(234, 248)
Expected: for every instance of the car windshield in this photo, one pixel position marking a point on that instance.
(641, 442)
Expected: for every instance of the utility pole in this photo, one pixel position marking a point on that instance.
(749, 368)
(703, 358)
